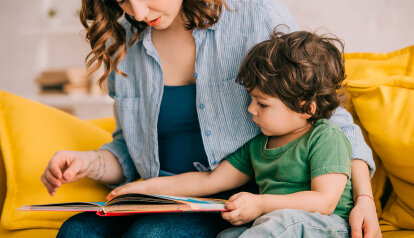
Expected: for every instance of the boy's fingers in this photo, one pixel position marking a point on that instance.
(238, 223)
(231, 205)
(234, 197)
(231, 216)
(118, 191)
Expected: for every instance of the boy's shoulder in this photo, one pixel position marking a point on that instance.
(323, 129)
(324, 125)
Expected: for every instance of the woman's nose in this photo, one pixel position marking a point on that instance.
(139, 10)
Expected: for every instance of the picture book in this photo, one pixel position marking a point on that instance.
(134, 203)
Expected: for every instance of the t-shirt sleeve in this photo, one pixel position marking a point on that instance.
(241, 160)
(330, 153)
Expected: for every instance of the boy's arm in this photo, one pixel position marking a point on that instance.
(223, 178)
(326, 190)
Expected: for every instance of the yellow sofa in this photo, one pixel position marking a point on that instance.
(381, 98)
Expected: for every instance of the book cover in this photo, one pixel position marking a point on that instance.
(134, 203)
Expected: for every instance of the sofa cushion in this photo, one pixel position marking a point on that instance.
(39, 233)
(381, 88)
(30, 133)
(2, 183)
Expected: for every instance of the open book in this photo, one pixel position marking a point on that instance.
(129, 204)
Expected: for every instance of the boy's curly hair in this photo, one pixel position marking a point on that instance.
(299, 68)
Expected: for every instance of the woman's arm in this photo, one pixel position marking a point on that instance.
(363, 216)
(70, 166)
(360, 150)
(223, 178)
(117, 147)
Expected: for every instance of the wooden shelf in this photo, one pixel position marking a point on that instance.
(57, 100)
(82, 106)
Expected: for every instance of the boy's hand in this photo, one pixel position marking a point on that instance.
(133, 187)
(244, 207)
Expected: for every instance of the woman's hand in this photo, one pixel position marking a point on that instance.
(133, 187)
(66, 167)
(244, 207)
(363, 218)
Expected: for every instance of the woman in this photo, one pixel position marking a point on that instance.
(170, 66)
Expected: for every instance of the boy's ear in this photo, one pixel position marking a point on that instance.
(312, 110)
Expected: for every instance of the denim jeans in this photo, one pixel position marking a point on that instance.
(291, 223)
(144, 226)
(157, 225)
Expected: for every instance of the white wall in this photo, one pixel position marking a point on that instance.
(365, 26)
(19, 57)
(370, 25)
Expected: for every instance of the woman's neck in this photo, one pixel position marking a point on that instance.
(176, 28)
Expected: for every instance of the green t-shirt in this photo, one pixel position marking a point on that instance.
(288, 169)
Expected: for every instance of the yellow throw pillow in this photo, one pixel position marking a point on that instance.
(2, 183)
(30, 133)
(381, 88)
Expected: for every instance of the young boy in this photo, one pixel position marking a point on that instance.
(300, 161)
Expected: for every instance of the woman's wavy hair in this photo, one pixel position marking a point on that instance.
(298, 68)
(100, 19)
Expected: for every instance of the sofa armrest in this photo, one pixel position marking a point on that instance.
(107, 123)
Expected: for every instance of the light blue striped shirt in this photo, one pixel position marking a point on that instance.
(221, 103)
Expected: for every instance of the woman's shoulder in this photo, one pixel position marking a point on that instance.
(258, 15)
(262, 5)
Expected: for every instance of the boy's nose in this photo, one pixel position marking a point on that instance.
(250, 109)
(139, 10)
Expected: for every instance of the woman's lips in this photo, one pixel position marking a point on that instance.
(154, 22)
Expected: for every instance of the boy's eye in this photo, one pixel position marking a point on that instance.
(120, 1)
(261, 105)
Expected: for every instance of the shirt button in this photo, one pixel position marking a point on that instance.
(202, 106)
(216, 162)
(208, 133)
(195, 75)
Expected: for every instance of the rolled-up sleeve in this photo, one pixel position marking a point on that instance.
(118, 145)
(360, 150)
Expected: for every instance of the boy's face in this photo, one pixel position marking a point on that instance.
(273, 117)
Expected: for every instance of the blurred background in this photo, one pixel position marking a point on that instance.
(42, 48)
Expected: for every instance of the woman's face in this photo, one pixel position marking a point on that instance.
(159, 14)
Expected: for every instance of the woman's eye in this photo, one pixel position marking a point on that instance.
(120, 1)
